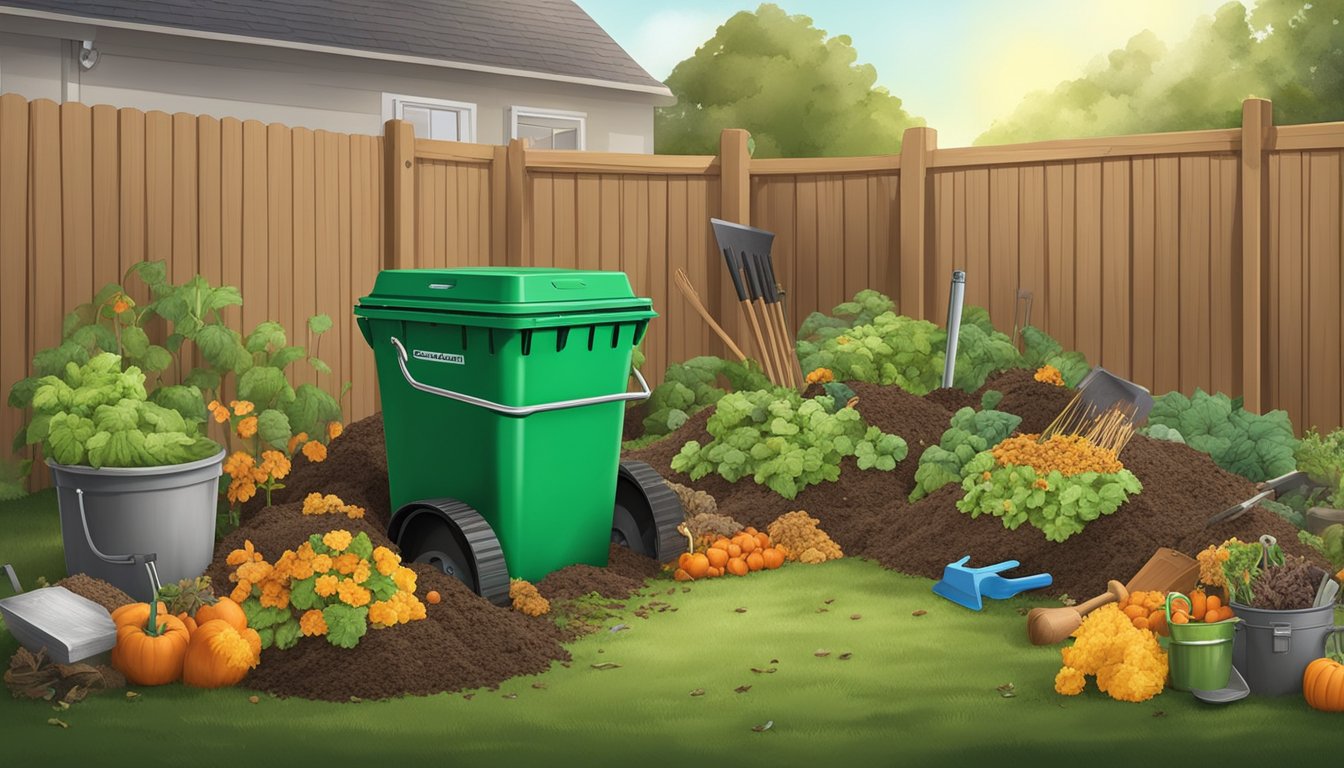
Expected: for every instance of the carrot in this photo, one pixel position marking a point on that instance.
(1198, 605)
(1180, 617)
(1157, 621)
(1135, 611)
(1213, 602)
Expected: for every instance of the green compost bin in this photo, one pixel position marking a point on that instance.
(505, 389)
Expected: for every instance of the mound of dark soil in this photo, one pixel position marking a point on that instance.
(1036, 402)
(355, 470)
(97, 590)
(624, 575)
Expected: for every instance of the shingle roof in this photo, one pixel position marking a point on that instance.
(546, 36)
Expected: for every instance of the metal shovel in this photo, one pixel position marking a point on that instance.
(1101, 390)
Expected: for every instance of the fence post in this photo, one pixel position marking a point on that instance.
(516, 221)
(917, 146)
(499, 207)
(399, 151)
(734, 205)
(1257, 117)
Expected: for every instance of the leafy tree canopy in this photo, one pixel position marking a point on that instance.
(1289, 51)
(798, 92)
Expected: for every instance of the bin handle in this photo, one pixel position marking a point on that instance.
(145, 560)
(516, 410)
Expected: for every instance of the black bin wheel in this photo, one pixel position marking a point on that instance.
(454, 538)
(646, 513)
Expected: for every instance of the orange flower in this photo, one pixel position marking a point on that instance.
(346, 564)
(313, 624)
(321, 563)
(241, 490)
(120, 305)
(218, 411)
(338, 540)
(241, 407)
(241, 592)
(275, 464)
(352, 594)
(239, 465)
(296, 441)
(247, 427)
(383, 614)
(334, 430)
(244, 555)
(315, 451)
(362, 572)
(326, 586)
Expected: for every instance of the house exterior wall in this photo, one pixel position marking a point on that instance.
(298, 88)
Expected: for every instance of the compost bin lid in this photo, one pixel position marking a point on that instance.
(503, 291)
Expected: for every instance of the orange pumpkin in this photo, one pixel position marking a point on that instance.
(746, 542)
(755, 561)
(717, 557)
(762, 541)
(681, 575)
(1323, 685)
(220, 655)
(135, 613)
(697, 565)
(224, 609)
(150, 651)
(188, 622)
(773, 558)
(737, 566)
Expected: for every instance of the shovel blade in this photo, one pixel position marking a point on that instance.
(961, 597)
(1101, 389)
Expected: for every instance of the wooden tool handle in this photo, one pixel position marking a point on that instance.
(687, 290)
(1115, 592)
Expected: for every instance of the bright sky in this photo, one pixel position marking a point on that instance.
(957, 63)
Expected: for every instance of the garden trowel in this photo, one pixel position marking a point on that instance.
(1102, 390)
(968, 586)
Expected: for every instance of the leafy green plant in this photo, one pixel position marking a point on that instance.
(689, 387)
(1322, 458)
(99, 415)
(861, 310)
(1330, 544)
(970, 433)
(1056, 505)
(893, 349)
(1257, 447)
(839, 392)
(1163, 432)
(785, 442)
(990, 400)
(1042, 350)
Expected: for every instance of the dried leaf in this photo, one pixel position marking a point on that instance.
(845, 656)
(606, 665)
(698, 692)
(565, 664)
(823, 610)
(355, 700)
(774, 661)
(61, 706)
(132, 696)
(673, 591)
(57, 722)
(619, 627)
(742, 689)
(510, 696)
(768, 724)
(539, 686)
(739, 610)
(1159, 713)
(1007, 690)
(1066, 600)
(766, 671)
(919, 612)
(254, 699)
(683, 589)
(828, 601)
(468, 696)
(821, 653)
(855, 616)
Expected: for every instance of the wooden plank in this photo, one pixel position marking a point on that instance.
(400, 164)
(679, 348)
(783, 253)
(628, 255)
(857, 248)
(565, 224)
(462, 231)
(303, 295)
(568, 161)
(1273, 284)
(1219, 140)
(541, 252)
(703, 258)
(424, 218)
(917, 147)
(1087, 284)
(1322, 297)
(1306, 137)
(1167, 257)
(799, 166)
(1292, 288)
(329, 298)
(978, 279)
(1145, 339)
(661, 287)
(45, 236)
(1003, 229)
(1195, 361)
(1050, 306)
(350, 339)
(76, 169)
(447, 213)
(253, 257)
(208, 209)
(516, 215)
(588, 225)
(610, 237)
(1031, 268)
(453, 151)
(131, 217)
(14, 217)
(159, 191)
(231, 208)
(106, 197)
(477, 230)
(499, 231)
(1116, 258)
(1224, 261)
(1256, 121)
(806, 274)
(831, 241)
(943, 235)
(184, 219)
(279, 262)
(887, 200)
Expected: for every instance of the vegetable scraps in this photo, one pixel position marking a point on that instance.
(1322, 458)
(1257, 447)
(1127, 662)
(801, 538)
(748, 550)
(100, 415)
(970, 432)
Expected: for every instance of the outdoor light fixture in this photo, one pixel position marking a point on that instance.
(88, 56)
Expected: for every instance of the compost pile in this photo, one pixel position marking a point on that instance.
(465, 641)
(868, 514)
(97, 590)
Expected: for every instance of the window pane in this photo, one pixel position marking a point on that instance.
(566, 139)
(536, 136)
(444, 122)
(549, 132)
(419, 118)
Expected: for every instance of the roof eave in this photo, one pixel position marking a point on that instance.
(663, 95)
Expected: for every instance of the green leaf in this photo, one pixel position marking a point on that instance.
(67, 436)
(303, 594)
(95, 338)
(21, 394)
(382, 587)
(273, 428)
(991, 399)
(153, 273)
(286, 355)
(319, 324)
(318, 365)
(119, 449)
(134, 341)
(361, 545)
(345, 625)
(186, 400)
(264, 386)
(267, 636)
(203, 379)
(157, 359)
(50, 362)
(13, 473)
(287, 634)
(221, 297)
(81, 316)
(266, 336)
(219, 345)
(312, 409)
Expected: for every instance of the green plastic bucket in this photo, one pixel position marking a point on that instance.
(1199, 655)
(505, 389)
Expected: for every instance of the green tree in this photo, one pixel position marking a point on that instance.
(799, 93)
(1289, 51)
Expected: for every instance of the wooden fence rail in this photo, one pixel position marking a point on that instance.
(1200, 259)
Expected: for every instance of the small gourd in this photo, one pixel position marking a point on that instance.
(151, 646)
(226, 610)
(220, 655)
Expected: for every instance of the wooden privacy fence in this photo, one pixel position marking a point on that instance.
(1200, 259)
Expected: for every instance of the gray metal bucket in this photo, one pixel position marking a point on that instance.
(1273, 648)
(168, 512)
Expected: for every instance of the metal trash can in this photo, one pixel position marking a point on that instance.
(1273, 648)
(503, 394)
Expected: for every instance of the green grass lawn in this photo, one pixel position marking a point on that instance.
(915, 691)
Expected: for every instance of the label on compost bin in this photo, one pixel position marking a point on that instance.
(439, 357)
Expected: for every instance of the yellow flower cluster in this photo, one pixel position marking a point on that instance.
(820, 376)
(1127, 662)
(337, 541)
(401, 608)
(253, 576)
(1211, 565)
(313, 624)
(798, 534)
(1070, 454)
(350, 593)
(526, 598)
(330, 504)
(247, 474)
(1049, 374)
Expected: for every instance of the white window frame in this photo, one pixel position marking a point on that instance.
(581, 117)
(394, 105)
